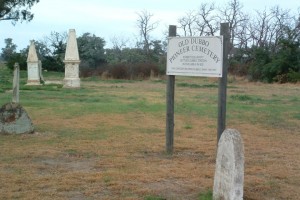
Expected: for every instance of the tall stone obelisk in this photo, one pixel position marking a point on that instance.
(33, 66)
(72, 61)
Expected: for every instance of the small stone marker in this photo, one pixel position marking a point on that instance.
(14, 120)
(15, 98)
(229, 174)
(72, 61)
(33, 66)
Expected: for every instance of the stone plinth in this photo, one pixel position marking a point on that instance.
(33, 66)
(72, 61)
(14, 120)
(229, 174)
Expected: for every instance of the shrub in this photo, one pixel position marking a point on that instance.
(119, 71)
(17, 58)
(293, 76)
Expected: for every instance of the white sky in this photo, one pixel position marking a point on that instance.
(109, 18)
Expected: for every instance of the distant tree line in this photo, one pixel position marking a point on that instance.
(265, 46)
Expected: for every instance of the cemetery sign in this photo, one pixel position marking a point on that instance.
(195, 56)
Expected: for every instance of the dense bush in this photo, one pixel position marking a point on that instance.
(122, 71)
(132, 71)
(17, 58)
(280, 66)
(293, 76)
(238, 68)
(53, 64)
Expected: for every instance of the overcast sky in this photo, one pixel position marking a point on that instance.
(109, 18)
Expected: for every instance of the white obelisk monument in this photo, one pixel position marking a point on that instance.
(33, 66)
(72, 61)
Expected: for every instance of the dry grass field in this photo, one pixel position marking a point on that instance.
(107, 141)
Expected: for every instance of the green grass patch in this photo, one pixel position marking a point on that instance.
(188, 126)
(245, 98)
(208, 195)
(190, 106)
(154, 198)
(107, 81)
(48, 87)
(193, 85)
(51, 75)
(297, 116)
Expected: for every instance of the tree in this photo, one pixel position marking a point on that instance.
(53, 50)
(145, 26)
(91, 50)
(203, 22)
(16, 10)
(10, 55)
(9, 49)
(233, 14)
(187, 23)
(115, 55)
(207, 22)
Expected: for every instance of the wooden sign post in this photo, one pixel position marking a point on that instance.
(170, 104)
(223, 82)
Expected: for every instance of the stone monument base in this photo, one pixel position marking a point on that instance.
(14, 120)
(33, 82)
(71, 83)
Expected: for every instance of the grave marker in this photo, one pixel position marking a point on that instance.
(229, 174)
(33, 66)
(16, 79)
(72, 61)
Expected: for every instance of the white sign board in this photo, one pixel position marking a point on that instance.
(195, 56)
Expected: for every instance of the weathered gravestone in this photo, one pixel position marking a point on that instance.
(229, 174)
(15, 98)
(72, 61)
(33, 66)
(14, 119)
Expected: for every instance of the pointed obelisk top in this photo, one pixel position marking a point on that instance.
(72, 49)
(32, 56)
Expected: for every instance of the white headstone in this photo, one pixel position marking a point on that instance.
(33, 66)
(72, 61)
(15, 98)
(229, 174)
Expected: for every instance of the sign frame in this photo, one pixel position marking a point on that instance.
(195, 56)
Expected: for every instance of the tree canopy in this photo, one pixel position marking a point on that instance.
(16, 10)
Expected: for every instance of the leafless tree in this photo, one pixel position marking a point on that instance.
(269, 26)
(187, 23)
(119, 43)
(233, 14)
(57, 42)
(207, 20)
(146, 26)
